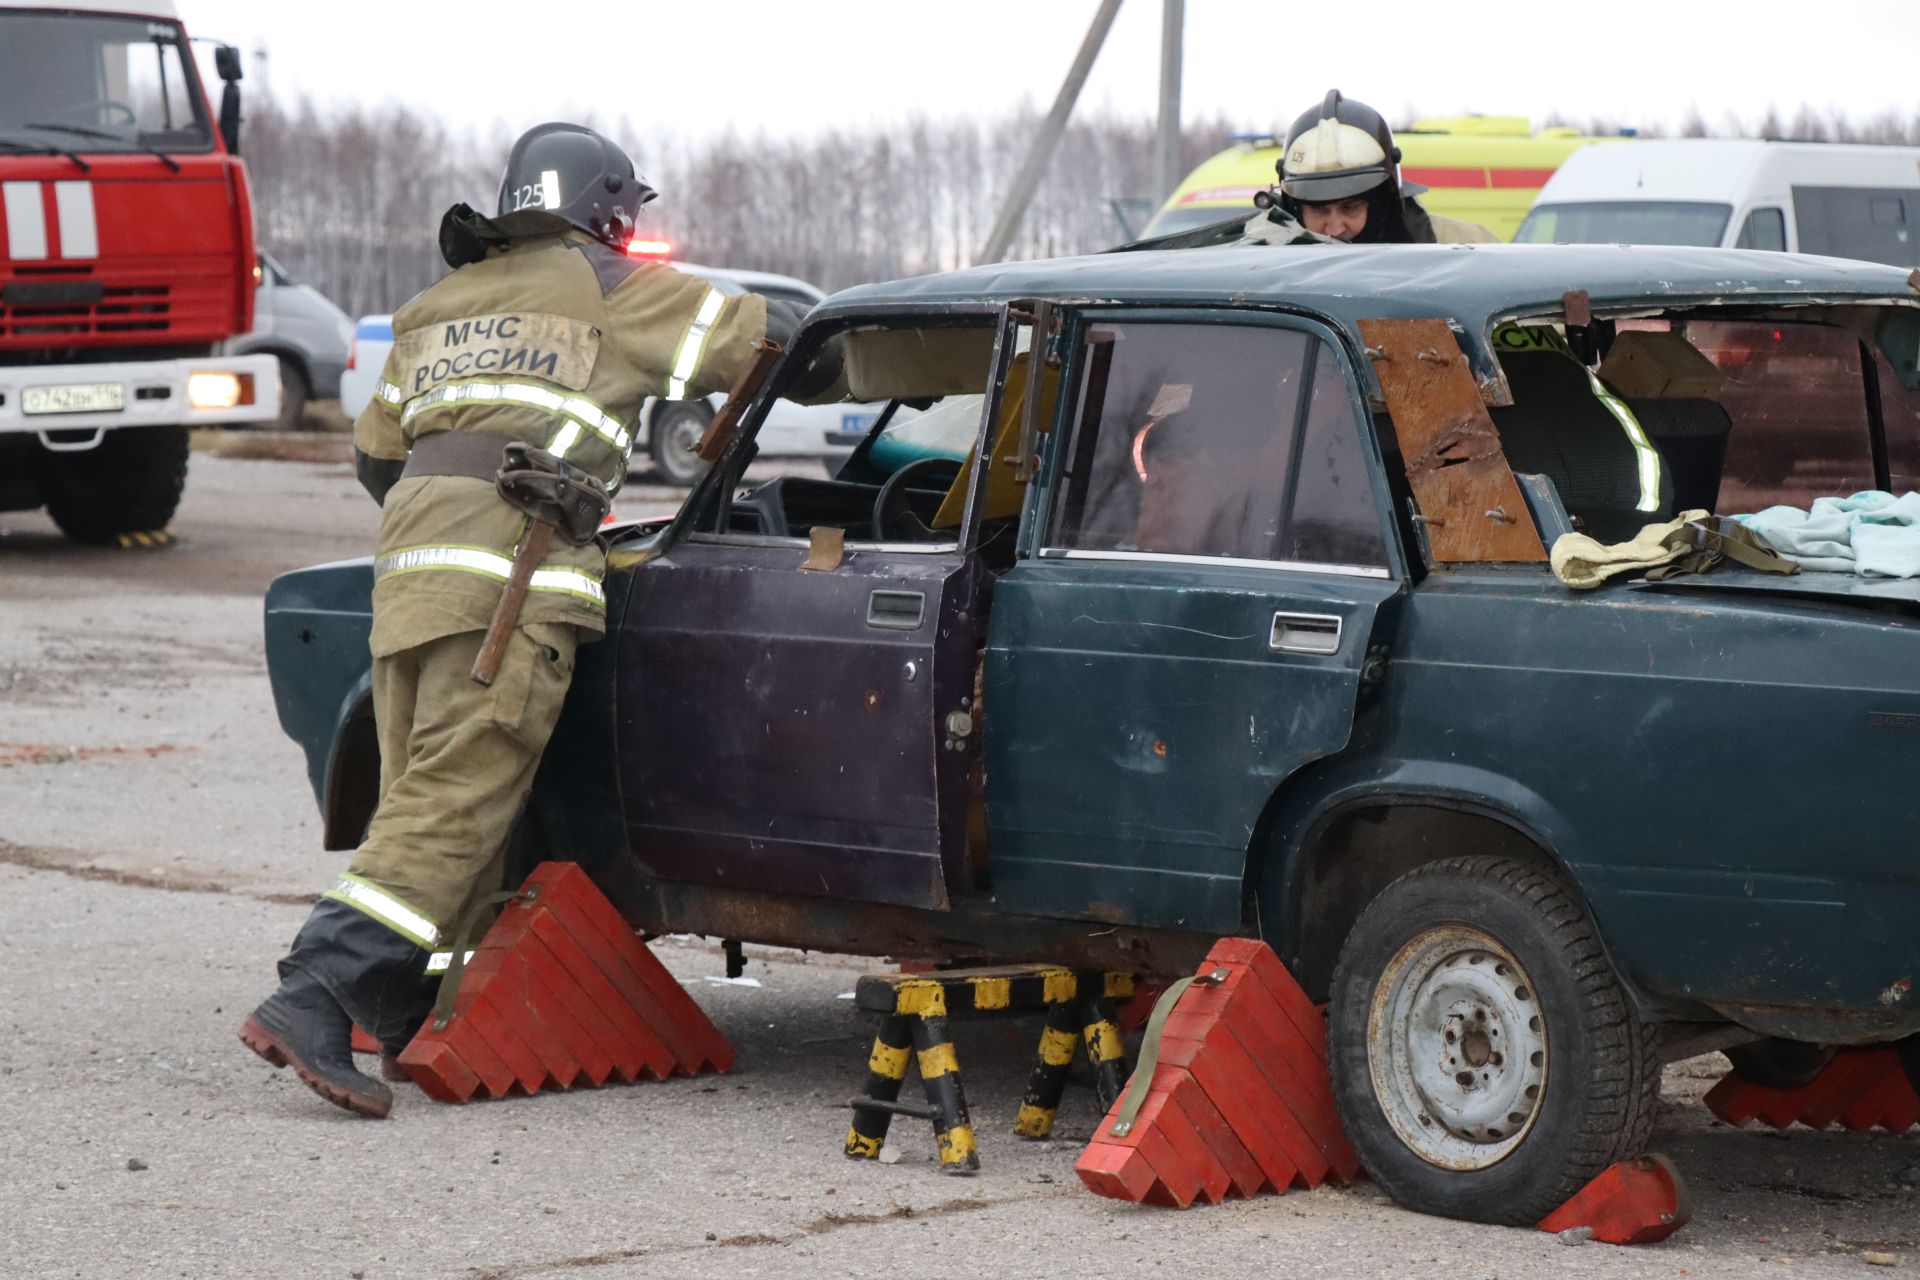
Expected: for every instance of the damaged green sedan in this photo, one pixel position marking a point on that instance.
(1209, 593)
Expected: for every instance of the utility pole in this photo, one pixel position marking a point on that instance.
(1166, 143)
(1048, 138)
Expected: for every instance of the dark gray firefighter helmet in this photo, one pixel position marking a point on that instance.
(568, 171)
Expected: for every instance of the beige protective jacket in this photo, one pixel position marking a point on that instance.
(556, 341)
(1445, 230)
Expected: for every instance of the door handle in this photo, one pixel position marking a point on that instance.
(896, 610)
(1316, 633)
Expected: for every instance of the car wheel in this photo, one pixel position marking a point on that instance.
(674, 436)
(294, 391)
(130, 484)
(1485, 1061)
(1779, 1064)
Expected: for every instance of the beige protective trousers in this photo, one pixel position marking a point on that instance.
(457, 761)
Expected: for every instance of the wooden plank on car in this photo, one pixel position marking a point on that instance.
(1468, 499)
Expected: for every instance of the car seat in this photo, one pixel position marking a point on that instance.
(1557, 428)
(1692, 436)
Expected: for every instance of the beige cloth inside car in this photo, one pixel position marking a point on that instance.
(1584, 563)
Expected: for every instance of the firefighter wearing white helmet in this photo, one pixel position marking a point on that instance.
(1340, 178)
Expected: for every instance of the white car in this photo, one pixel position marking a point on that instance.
(669, 429)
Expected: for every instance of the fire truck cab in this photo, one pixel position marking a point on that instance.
(126, 256)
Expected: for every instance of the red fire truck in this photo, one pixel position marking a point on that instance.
(126, 256)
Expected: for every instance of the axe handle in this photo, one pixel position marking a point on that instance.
(746, 389)
(506, 615)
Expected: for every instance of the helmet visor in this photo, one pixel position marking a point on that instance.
(1337, 184)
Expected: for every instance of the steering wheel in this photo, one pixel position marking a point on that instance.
(893, 519)
(107, 107)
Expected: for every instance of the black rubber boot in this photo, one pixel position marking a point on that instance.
(302, 1026)
(368, 975)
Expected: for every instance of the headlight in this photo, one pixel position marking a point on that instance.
(212, 390)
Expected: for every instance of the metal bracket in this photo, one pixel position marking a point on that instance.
(1029, 459)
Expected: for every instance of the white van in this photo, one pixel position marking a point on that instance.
(1838, 199)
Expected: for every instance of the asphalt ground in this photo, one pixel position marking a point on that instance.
(158, 847)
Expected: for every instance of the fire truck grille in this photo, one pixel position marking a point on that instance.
(68, 311)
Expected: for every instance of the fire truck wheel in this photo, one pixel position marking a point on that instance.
(293, 395)
(130, 484)
(1485, 1062)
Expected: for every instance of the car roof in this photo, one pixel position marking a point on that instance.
(1469, 283)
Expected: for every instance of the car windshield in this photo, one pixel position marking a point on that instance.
(1695, 222)
(94, 82)
(946, 430)
(1192, 217)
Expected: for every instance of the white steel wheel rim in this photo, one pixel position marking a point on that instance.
(1457, 1048)
(683, 437)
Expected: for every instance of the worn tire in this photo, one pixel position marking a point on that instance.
(1591, 1066)
(295, 390)
(130, 484)
(676, 428)
(1779, 1064)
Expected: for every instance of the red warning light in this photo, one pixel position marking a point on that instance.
(649, 248)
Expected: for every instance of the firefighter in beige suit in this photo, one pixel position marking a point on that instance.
(547, 333)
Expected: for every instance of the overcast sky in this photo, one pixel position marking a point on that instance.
(692, 67)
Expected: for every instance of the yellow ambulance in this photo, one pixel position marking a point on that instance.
(1484, 169)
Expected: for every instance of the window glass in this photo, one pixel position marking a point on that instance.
(1900, 407)
(1173, 221)
(1184, 439)
(1764, 229)
(1858, 222)
(1626, 222)
(919, 368)
(1333, 520)
(94, 82)
(156, 85)
(1798, 408)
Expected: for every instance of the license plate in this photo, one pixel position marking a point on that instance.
(79, 397)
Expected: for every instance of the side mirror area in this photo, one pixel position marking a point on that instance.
(226, 60)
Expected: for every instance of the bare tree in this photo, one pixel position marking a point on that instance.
(350, 199)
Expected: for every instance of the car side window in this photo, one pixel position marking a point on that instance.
(1763, 229)
(1799, 426)
(1874, 224)
(1186, 437)
(1900, 409)
(1332, 518)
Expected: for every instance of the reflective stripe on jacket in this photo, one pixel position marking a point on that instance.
(556, 341)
